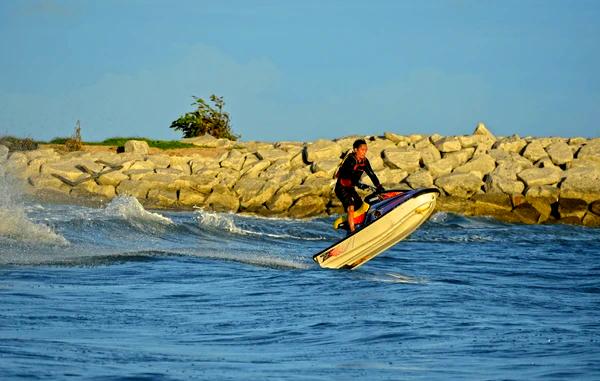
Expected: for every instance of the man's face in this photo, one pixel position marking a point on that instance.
(361, 151)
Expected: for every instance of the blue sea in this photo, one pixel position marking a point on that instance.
(118, 292)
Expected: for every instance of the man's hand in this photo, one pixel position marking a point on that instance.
(362, 186)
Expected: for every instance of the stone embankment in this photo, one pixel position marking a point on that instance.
(530, 180)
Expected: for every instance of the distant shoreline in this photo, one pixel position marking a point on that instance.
(526, 180)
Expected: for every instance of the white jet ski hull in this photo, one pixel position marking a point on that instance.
(380, 235)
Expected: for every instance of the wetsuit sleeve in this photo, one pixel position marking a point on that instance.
(371, 174)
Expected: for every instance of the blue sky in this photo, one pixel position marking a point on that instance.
(300, 70)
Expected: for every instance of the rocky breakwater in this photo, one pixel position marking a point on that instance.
(530, 180)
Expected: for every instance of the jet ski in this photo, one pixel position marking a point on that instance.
(388, 217)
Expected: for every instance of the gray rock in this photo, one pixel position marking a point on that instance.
(254, 192)
(441, 167)
(207, 141)
(307, 206)
(395, 138)
(540, 176)
(421, 179)
(460, 184)
(512, 144)
(182, 163)
(222, 199)
(322, 150)
(137, 146)
(590, 149)
(499, 184)
(448, 144)
(190, 197)
(535, 151)
(280, 203)
(581, 183)
(429, 154)
(159, 161)
(327, 166)
(3, 153)
(560, 153)
(253, 170)
(112, 178)
(400, 158)
(480, 165)
(273, 154)
(235, 160)
(137, 189)
(460, 157)
(482, 130)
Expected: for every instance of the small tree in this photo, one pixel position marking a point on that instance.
(74, 143)
(206, 119)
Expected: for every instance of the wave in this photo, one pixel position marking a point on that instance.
(129, 208)
(254, 226)
(14, 222)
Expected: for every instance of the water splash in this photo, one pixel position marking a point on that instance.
(14, 222)
(129, 208)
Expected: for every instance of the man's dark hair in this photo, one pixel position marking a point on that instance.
(358, 142)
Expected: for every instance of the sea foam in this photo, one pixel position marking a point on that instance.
(15, 224)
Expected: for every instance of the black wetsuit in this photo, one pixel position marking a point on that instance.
(348, 177)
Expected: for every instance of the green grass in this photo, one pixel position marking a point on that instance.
(162, 144)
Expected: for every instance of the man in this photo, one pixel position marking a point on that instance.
(348, 176)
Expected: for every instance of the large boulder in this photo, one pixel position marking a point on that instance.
(112, 178)
(234, 160)
(590, 149)
(460, 184)
(429, 154)
(460, 157)
(254, 192)
(3, 153)
(560, 153)
(208, 141)
(137, 146)
(222, 199)
(181, 163)
(421, 179)
(280, 202)
(441, 167)
(480, 165)
(133, 188)
(581, 183)
(159, 161)
(400, 158)
(448, 144)
(327, 166)
(541, 198)
(496, 183)
(535, 151)
(256, 168)
(540, 176)
(190, 197)
(511, 144)
(273, 154)
(307, 206)
(92, 189)
(482, 130)
(163, 198)
(321, 150)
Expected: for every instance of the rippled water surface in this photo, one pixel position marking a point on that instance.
(121, 293)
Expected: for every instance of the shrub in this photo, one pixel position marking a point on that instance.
(18, 144)
(206, 119)
(74, 143)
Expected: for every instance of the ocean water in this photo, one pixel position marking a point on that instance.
(122, 293)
